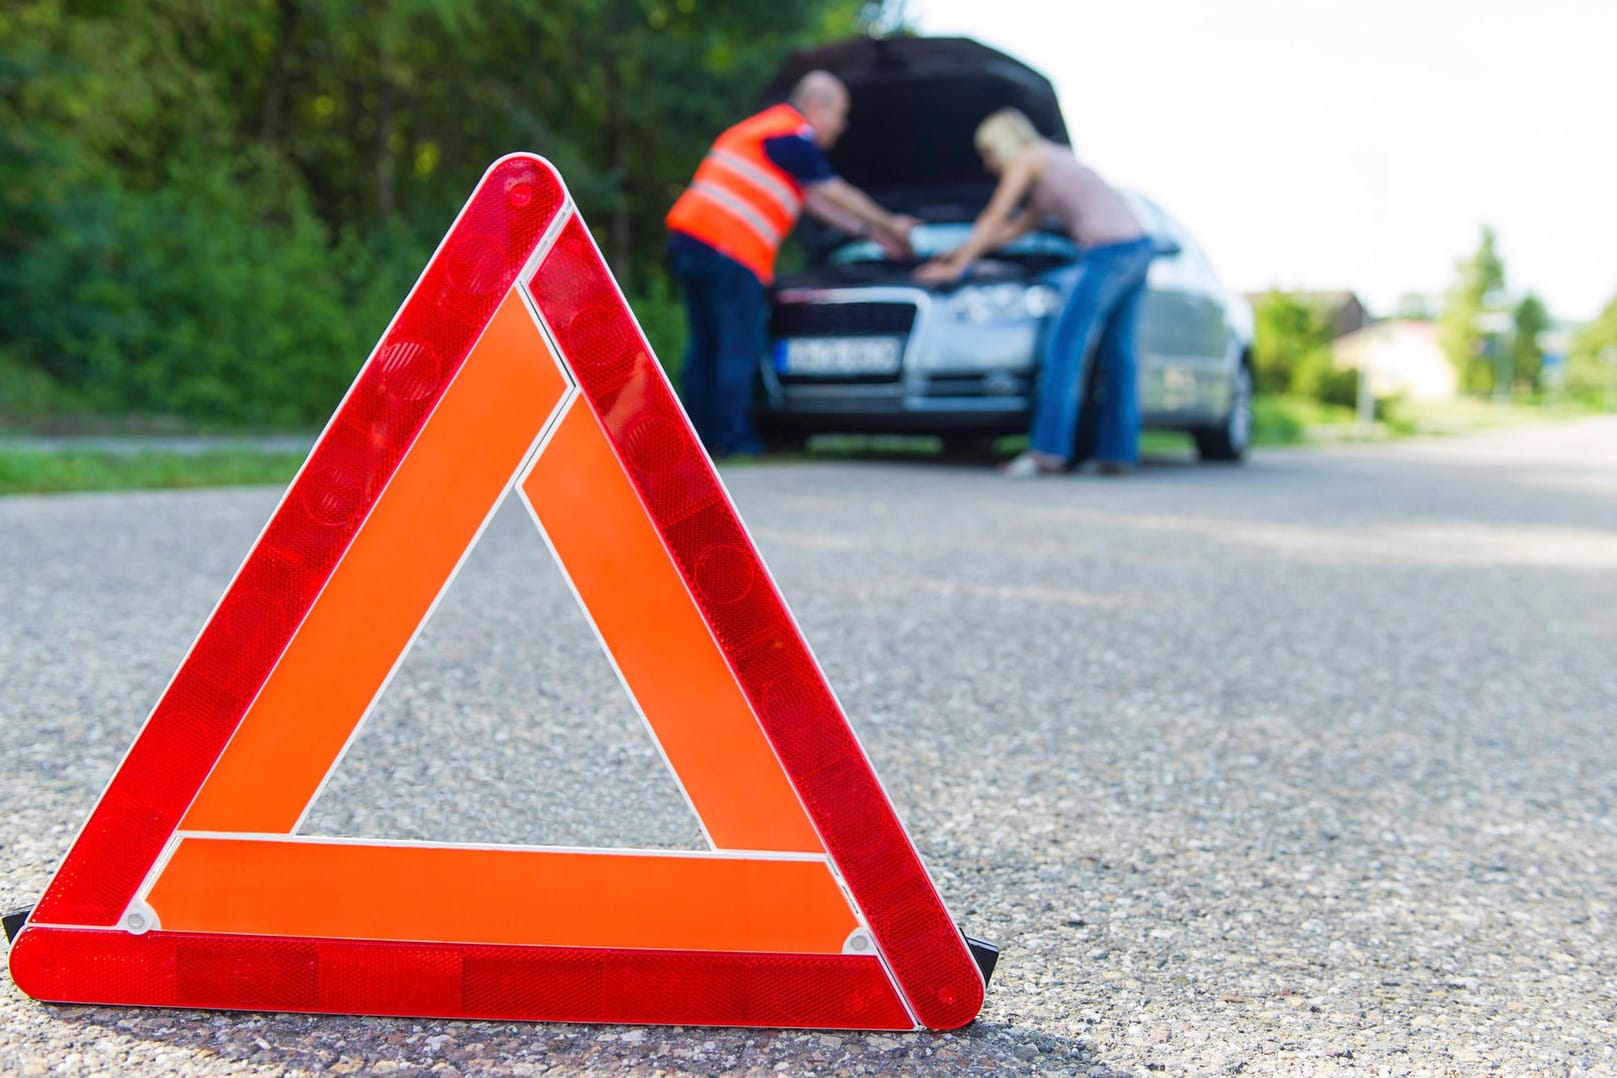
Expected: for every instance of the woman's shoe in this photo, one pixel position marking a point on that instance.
(1031, 464)
(1113, 467)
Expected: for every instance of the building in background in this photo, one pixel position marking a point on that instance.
(1341, 308)
(1402, 357)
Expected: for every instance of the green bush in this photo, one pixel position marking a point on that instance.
(191, 300)
(661, 314)
(1318, 376)
(1590, 379)
(1275, 421)
(1292, 335)
(210, 210)
(27, 392)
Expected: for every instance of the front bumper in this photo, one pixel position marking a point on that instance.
(955, 376)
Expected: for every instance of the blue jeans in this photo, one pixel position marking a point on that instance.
(1099, 317)
(724, 308)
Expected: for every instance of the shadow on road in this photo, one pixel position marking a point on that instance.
(920, 453)
(308, 1044)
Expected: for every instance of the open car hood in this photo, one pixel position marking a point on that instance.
(915, 105)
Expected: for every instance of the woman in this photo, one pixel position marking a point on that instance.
(1038, 180)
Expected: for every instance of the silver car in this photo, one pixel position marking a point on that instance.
(856, 345)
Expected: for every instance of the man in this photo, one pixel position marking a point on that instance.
(727, 227)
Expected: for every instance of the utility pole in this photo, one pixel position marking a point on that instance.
(1376, 172)
(1496, 327)
(1366, 400)
(1608, 356)
(1504, 362)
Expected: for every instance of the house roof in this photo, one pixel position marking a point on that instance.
(1333, 299)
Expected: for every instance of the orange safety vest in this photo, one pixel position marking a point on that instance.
(740, 203)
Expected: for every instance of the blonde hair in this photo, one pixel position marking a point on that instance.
(1005, 133)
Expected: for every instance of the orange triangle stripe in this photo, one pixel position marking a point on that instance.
(559, 898)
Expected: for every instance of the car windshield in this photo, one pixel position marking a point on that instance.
(933, 239)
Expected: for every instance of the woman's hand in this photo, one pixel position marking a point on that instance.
(945, 270)
(992, 224)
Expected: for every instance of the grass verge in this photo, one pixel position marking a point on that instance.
(1276, 421)
(38, 473)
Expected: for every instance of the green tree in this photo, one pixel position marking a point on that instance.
(1592, 360)
(211, 210)
(1415, 307)
(1291, 346)
(1527, 358)
(1460, 332)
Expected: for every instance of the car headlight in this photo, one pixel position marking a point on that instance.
(1003, 302)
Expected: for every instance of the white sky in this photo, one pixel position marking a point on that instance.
(1322, 144)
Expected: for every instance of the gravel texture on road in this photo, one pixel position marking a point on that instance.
(1307, 766)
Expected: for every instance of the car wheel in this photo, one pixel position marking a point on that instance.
(967, 446)
(784, 441)
(1230, 440)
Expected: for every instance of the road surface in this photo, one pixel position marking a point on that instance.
(1302, 767)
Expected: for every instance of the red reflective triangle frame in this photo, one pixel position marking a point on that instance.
(514, 364)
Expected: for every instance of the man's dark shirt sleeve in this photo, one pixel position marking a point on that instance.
(799, 157)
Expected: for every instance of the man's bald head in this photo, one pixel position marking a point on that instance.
(823, 100)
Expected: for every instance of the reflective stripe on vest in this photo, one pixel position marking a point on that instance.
(784, 196)
(749, 216)
(740, 202)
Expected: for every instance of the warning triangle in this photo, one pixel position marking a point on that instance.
(514, 366)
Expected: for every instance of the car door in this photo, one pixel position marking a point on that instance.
(1185, 340)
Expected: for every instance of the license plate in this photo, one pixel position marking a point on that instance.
(831, 357)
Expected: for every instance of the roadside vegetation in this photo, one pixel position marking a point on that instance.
(208, 213)
(1277, 421)
(1508, 358)
(80, 470)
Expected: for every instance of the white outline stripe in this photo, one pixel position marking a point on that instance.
(492, 847)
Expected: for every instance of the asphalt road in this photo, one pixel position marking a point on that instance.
(1302, 767)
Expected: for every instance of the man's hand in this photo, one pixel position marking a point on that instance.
(893, 236)
(943, 270)
(841, 205)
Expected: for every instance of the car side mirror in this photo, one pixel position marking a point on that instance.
(1164, 246)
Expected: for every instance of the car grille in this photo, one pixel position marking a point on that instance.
(841, 319)
(1000, 384)
(956, 385)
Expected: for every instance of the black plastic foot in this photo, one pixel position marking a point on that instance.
(14, 920)
(986, 954)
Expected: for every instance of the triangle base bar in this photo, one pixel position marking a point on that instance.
(446, 980)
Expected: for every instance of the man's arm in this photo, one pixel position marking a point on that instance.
(824, 210)
(842, 205)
